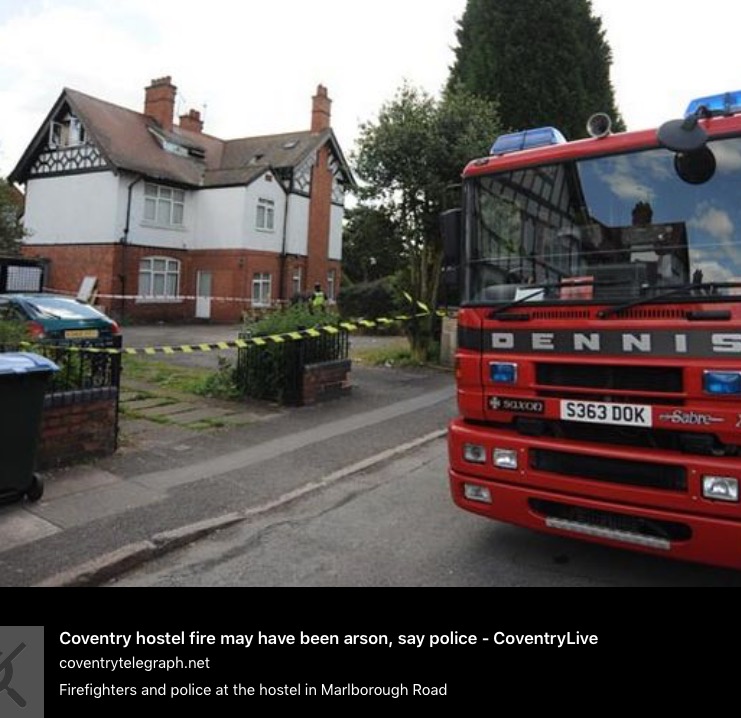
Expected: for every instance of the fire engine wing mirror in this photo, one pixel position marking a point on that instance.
(450, 228)
(683, 135)
(693, 162)
(695, 167)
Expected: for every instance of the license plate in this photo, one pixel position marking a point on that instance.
(81, 334)
(597, 412)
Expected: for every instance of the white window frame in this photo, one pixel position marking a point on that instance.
(265, 215)
(297, 280)
(331, 282)
(163, 206)
(262, 289)
(66, 132)
(159, 279)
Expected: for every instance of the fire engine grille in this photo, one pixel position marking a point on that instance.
(563, 314)
(606, 376)
(616, 471)
(639, 437)
(640, 313)
(611, 521)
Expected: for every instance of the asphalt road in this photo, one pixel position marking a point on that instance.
(395, 526)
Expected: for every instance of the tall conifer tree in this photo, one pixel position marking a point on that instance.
(545, 62)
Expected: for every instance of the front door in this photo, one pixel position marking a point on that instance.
(203, 295)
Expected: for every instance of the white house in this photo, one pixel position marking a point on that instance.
(174, 223)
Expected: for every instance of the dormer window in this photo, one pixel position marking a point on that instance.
(174, 146)
(66, 132)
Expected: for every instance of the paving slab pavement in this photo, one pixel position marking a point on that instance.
(191, 466)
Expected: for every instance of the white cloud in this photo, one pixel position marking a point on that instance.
(715, 222)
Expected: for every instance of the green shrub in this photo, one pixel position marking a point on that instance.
(12, 334)
(220, 384)
(297, 316)
(372, 300)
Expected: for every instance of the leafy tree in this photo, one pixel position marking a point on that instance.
(11, 228)
(407, 160)
(371, 246)
(546, 62)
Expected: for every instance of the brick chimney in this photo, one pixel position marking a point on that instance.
(159, 102)
(321, 110)
(192, 121)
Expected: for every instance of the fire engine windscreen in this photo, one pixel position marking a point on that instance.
(606, 229)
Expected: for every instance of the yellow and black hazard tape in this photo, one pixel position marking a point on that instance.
(261, 341)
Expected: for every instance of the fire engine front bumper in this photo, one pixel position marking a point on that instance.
(650, 520)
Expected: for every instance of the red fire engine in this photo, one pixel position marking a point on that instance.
(598, 364)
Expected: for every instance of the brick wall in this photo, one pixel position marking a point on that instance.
(76, 428)
(232, 272)
(326, 380)
(231, 276)
(70, 263)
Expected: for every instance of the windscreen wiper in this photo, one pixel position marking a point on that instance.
(705, 287)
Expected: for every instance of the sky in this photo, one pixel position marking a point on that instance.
(252, 67)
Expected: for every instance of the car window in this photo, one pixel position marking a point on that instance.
(64, 309)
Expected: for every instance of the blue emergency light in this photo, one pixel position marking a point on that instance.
(726, 103)
(526, 139)
(503, 373)
(726, 383)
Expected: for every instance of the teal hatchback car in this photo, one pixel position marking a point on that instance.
(61, 320)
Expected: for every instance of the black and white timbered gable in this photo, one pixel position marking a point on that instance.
(64, 146)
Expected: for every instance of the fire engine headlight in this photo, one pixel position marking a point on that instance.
(474, 453)
(474, 492)
(720, 488)
(502, 373)
(505, 459)
(722, 382)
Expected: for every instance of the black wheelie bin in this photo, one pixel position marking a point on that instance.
(23, 380)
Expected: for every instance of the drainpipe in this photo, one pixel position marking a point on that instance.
(283, 255)
(124, 243)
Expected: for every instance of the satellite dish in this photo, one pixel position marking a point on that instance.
(682, 135)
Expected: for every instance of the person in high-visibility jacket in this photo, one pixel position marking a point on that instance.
(318, 299)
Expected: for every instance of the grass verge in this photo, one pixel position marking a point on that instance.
(216, 384)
